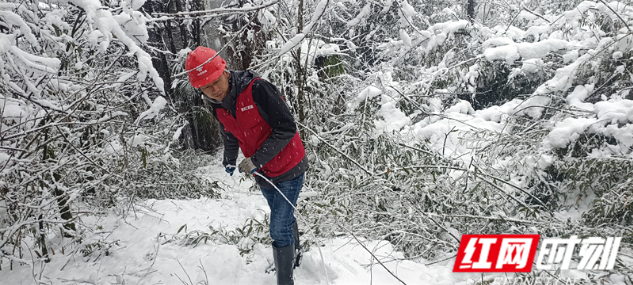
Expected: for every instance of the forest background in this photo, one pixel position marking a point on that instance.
(422, 120)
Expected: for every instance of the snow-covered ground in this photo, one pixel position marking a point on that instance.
(142, 249)
(138, 252)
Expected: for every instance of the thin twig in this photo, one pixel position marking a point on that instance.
(446, 138)
(529, 11)
(183, 269)
(467, 171)
(213, 12)
(361, 244)
(438, 261)
(153, 261)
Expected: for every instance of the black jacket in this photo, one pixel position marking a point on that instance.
(273, 110)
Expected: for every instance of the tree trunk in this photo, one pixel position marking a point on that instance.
(183, 27)
(60, 195)
(470, 10)
(202, 131)
(300, 93)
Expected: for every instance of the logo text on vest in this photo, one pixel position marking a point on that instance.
(247, 108)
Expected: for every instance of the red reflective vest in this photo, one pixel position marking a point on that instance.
(251, 130)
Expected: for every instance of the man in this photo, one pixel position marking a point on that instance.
(256, 119)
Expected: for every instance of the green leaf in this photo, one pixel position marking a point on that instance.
(144, 155)
(476, 187)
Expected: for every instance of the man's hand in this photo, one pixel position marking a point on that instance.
(229, 168)
(247, 166)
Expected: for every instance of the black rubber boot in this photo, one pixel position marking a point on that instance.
(284, 259)
(298, 252)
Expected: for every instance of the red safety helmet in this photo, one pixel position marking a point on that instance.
(206, 73)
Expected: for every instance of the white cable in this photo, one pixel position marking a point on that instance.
(327, 279)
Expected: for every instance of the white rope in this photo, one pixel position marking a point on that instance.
(327, 279)
(346, 230)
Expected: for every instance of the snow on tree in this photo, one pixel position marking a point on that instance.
(76, 78)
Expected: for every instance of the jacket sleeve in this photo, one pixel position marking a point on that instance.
(231, 148)
(276, 113)
(231, 145)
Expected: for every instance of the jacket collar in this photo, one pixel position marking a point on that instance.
(238, 81)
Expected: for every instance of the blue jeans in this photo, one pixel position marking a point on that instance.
(281, 213)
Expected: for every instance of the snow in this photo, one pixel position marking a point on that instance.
(615, 111)
(4, 157)
(55, 17)
(136, 4)
(449, 11)
(268, 18)
(316, 15)
(525, 15)
(6, 42)
(536, 31)
(435, 131)
(393, 118)
(113, 147)
(327, 49)
(438, 33)
(291, 43)
(462, 107)
(405, 38)
(145, 248)
(570, 56)
(496, 113)
(158, 104)
(567, 131)
(407, 10)
(310, 49)
(134, 25)
(513, 52)
(95, 37)
(509, 53)
(363, 13)
(137, 140)
(11, 110)
(545, 161)
(578, 96)
(563, 78)
(178, 133)
(48, 104)
(623, 135)
(184, 52)
(498, 41)
(532, 65)
(13, 19)
(387, 6)
(450, 27)
(7, 6)
(540, 49)
(123, 78)
(514, 33)
(617, 55)
(132, 33)
(368, 93)
(50, 65)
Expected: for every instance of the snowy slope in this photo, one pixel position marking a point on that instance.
(138, 252)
